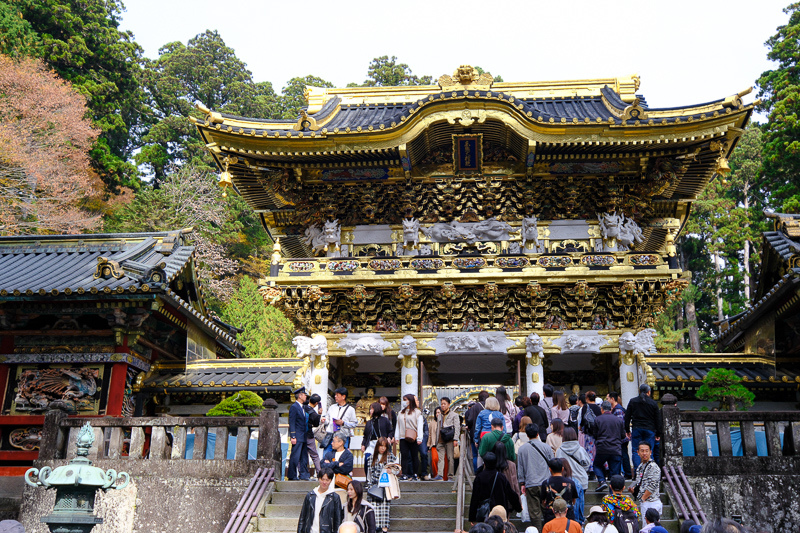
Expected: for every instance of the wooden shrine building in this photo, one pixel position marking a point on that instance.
(476, 232)
(84, 319)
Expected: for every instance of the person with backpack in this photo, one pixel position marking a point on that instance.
(561, 523)
(489, 489)
(589, 413)
(621, 511)
(580, 463)
(574, 413)
(555, 487)
(470, 418)
(609, 432)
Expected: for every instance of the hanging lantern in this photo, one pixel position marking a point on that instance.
(225, 180)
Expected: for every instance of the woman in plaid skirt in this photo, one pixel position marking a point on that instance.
(380, 457)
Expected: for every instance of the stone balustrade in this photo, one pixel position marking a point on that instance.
(778, 452)
(162, 438)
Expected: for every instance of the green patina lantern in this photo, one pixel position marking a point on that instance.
(76, 484)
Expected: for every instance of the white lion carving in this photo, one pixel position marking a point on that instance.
(408, 347)
(322, 239)
(625, 230)
(410, 232)
(530, 232)
(643, 342)
(311, 347)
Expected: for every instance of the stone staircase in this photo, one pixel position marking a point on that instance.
(425, 506)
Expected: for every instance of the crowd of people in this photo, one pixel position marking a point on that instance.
(534, 456)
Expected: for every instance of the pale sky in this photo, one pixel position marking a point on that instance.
(686, 52)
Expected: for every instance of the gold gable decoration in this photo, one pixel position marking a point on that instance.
(466, 77)
(107, 269)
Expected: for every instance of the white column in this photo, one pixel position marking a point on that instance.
(409, 377)
(534, 371)
(534, 374)
(628, 377)
(319, 380)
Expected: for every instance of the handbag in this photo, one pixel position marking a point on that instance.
(326, 440)
(411, 434)
(636, 488)
(456, 452)
(320, 432)
(376, 492)
(342, 481)
(486, 505)
(448, 434)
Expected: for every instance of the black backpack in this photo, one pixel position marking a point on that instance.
(626, 521)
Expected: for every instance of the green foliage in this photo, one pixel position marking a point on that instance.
(82, 42)
(293, 99)
(267, 333)
(386, 72)
(780, 93)
(204, 70)
(724, 386)
(17, 37)
(225, 229)
(244, 403)
(668, 334)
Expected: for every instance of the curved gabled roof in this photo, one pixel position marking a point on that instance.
(610, 102)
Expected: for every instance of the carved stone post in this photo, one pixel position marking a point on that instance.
(269, 438)
(534, 371)
(628, 372)
(409, 376)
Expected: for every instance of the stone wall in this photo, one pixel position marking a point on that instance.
(763, 490)
(165, 494)
(766, 503)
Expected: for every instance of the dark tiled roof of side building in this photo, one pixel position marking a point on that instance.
(59, 267)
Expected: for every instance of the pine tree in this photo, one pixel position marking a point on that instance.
(267, 332)
(724, 386)
(244, 403)
(780, 91)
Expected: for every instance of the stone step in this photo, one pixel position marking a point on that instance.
(405, 486)
(397, 511)
(276, 525)
(407, 497)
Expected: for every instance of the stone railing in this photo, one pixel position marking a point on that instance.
(777, 434)
(162, 438)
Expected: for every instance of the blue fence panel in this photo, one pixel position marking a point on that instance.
(736, 441)
(211, 445)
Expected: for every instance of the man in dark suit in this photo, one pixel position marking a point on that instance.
(298, 425)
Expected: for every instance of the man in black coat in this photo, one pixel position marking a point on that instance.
(298, 428)
(609, 432)
(537, 415)
(331, 512)
(642, 421)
